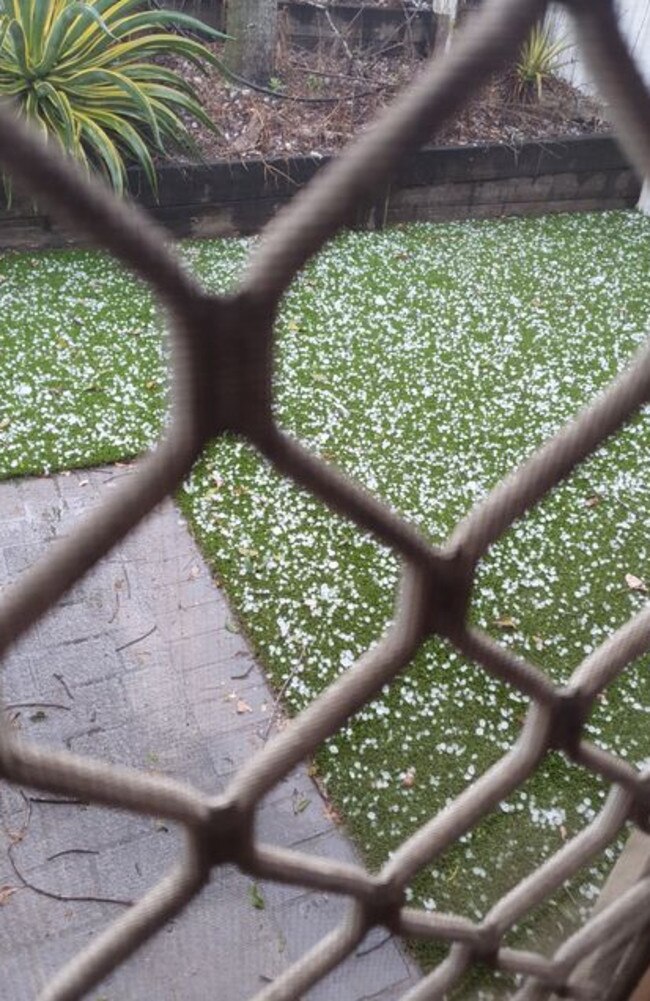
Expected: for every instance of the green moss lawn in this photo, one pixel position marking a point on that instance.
(424, 361)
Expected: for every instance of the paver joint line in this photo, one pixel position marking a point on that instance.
(223, 381)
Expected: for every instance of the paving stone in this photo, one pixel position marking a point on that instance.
(143, 650)
(140, 657)
(68, 483)
(229, 751)
(218, 949)
(129, 620)
(197, 591)
(330, 844)
(156, 682)
(27, 967)
(326, 843)
(176, 621)
(19, 558)
(203, 617)
(11, 501)
(217, 646)
(285, 820)
(12, 532)
(77, 509)
(214, 949)
(71, 624)
(40, 495)
(392, 993)
(223, 707)
(148, 577)
(77, 661)
(375, 965)
(5, 576)
(98, 586)
(130, 869)
(49, 723)
(119, 745)
(33, 920)
(17, 678)
(13, 810)
(68, 872)
(59, 719)
(58, 824)
(44, 522)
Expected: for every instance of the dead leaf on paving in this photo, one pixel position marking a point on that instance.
(6, 893)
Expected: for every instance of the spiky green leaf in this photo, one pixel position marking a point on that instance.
(82, 70)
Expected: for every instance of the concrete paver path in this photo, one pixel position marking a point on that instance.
(138, 666)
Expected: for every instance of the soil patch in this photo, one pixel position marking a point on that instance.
(318, 101)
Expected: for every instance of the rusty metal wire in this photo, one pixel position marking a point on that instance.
(223, 381)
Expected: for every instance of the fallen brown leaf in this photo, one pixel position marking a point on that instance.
(408, 781)
(243, 706)
(249, 137)
(506, 622)
(593, 501)
(6, 893)
(635, 583)
(332, 814)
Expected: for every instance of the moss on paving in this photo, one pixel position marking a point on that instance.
(425, 361)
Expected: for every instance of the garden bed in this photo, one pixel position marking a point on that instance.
(323, 99)
(499, 156)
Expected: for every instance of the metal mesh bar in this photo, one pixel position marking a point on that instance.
(223, 381)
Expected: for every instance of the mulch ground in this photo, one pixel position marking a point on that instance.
(319, 100)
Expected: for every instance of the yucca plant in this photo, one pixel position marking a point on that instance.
(82, 71)
(538, 59)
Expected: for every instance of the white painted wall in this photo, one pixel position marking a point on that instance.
(634, 18)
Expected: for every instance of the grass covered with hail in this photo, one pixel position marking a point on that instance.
(426, 362)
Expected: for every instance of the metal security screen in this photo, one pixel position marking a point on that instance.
(223, 381)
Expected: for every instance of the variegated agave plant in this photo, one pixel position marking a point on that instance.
(83, 72)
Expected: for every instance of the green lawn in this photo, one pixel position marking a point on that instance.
(424, 361)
